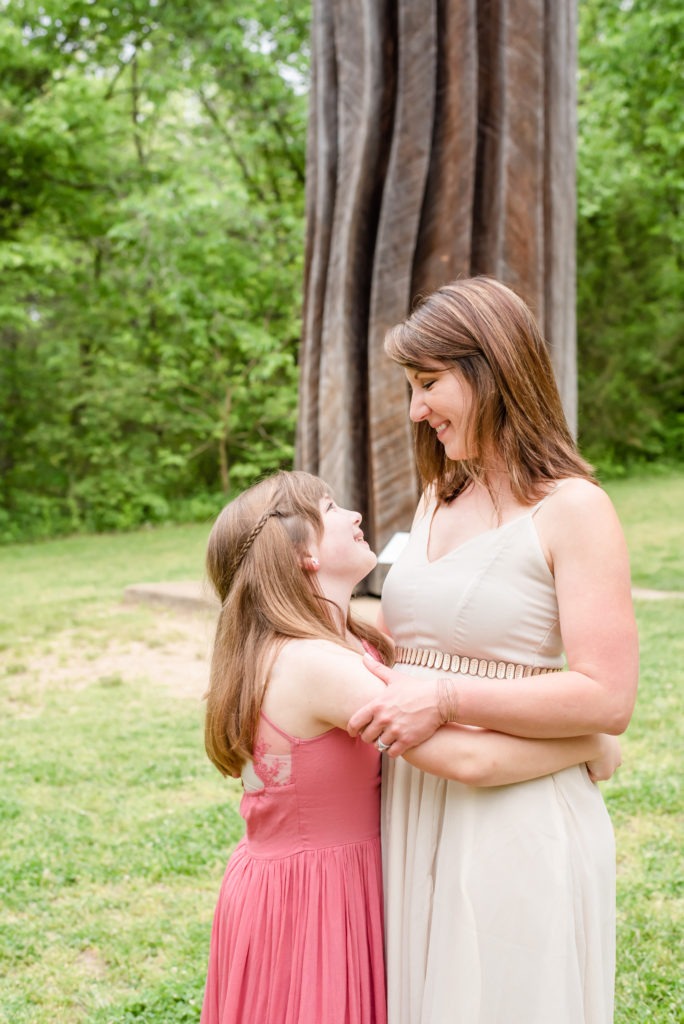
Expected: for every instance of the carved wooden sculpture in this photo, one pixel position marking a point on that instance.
(441, 144)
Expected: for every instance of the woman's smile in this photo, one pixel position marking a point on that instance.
(441, 397)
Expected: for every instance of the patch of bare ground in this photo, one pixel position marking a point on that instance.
(174, 653)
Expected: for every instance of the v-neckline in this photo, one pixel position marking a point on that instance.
(469, 540)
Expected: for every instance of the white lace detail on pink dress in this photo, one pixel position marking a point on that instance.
(271, 764)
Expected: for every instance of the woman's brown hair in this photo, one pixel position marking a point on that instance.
(254, 557)
(484, 329)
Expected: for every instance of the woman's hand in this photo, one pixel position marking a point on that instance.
(608, 759)
(408, 713)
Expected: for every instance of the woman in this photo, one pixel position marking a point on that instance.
(297, 935)
(499, 903)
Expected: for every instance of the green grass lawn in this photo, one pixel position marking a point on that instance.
(114, 827)
(651, 509)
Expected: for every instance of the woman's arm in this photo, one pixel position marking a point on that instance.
(581, 535)
(585, 545)
(330, 683)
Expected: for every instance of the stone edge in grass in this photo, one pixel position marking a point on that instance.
(193, 595)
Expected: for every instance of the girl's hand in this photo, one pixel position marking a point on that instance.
(608, 759)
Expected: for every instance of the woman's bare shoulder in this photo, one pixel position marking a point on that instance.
(577, 518)
(577, 496)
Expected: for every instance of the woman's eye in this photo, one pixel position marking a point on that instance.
(427, 385)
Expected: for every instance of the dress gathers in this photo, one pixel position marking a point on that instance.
(499, 902)
(298, 934)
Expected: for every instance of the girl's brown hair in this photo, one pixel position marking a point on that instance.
(253, 560)
(484, 329)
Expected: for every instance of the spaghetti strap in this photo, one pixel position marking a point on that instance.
(276, 728)
(289, 736)
(556, 487)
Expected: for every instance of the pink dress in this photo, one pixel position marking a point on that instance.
(298, 930)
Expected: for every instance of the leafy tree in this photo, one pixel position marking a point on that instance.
(630, 266)
(150, 240)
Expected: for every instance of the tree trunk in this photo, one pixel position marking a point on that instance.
(441, 144)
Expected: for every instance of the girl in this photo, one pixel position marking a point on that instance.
(298, 932)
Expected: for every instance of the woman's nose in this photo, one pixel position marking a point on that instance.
(418, 409)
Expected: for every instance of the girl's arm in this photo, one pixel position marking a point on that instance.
(332, 682)
(581, 535)
(478, 757)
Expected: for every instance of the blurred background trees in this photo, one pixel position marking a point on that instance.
(152, 161)
(630, 263)
(151, 236)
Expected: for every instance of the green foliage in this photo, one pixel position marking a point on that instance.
(630, 233)
(151, 223)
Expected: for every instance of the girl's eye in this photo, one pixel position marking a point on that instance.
(330, 506)
(427, 384)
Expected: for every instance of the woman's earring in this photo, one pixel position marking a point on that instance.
(312, 563)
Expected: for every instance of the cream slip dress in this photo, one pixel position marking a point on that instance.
(499, 902)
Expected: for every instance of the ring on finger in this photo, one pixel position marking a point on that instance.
(382, 747)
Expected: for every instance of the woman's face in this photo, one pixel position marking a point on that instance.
(443, 398)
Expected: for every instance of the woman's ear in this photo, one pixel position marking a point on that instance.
(310, 563)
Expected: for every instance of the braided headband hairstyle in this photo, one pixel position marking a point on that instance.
(251, 537)
(254, 561)
(283, 511)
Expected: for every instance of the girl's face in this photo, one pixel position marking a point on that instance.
(342, 550)
(443, 398)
